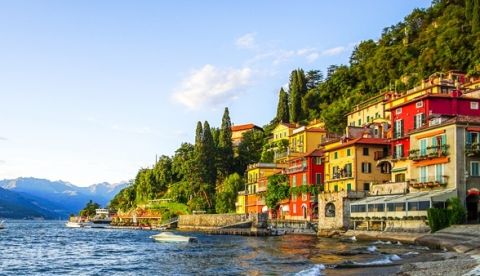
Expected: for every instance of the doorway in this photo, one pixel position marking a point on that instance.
(472, 208)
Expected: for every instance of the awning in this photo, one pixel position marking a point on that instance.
(285, 208)
(399, 169)
(473, 191)
(264, 209)
(435, 195)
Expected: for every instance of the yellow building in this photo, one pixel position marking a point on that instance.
(239, 130)
(252, 199)
(370, 111)
(279, 141)
(305, 139)
(350, 164)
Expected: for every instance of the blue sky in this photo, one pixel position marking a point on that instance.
(92, 90)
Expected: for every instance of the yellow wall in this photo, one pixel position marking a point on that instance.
(356, 158)
(240, 204)
(367, 114)
(280, 132)
(305, 141)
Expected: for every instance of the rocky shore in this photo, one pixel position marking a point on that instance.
(461, 244)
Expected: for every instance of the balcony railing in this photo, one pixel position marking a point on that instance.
(297, 168)
(340, 175)
(429, 152)
(430, 181)
(398, 134)
(472, 149)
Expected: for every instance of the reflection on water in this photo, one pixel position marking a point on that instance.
(30, 247)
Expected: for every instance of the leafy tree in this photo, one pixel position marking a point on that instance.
(249, 150)
(313, 78)
(282, 107)
(226, 197)
(277, 190)
(89, 209)
(476, 16)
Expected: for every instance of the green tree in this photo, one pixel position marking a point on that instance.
(225, 147)
(249, 150)
(297, 89)
(476, 16)
(277, 190)
(282, 107)
(89, 209)
(227, 195)
(313, 78)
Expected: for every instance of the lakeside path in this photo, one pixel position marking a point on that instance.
(462, 242)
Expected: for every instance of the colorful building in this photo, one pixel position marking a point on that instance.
(279, 141)
(256, 186)
(305, 176)
(239, 130)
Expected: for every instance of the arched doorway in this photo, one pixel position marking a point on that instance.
(304, 211)
(472, 204)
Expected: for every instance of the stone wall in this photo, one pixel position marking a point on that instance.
(210, 221)
(341, 202)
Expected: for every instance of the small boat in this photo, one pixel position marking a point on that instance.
(2, 225)
(170, 237)
(73, 224)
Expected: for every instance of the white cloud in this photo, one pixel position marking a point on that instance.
(212, 86)
(3, 138)
(246, 41)
(334, 51)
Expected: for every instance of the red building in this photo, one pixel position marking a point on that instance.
(305, 173)
(409, 113)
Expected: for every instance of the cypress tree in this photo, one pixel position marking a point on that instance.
(476, 16)
(225, 146)
(282, 107)
(207, 156)
(295, 98)
(198, 134)
(468, 9)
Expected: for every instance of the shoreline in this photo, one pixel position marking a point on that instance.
(461, 256)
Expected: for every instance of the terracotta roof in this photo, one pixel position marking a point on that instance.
(289, 125)
(363, 141)
(315, 153)
(244, 127)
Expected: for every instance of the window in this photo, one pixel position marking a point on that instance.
(348, 170)
(335, 188)
(368, 119)
(418, 206)
(419, 120)
(400, 177)
(472, 138)
(473, 105)
(361, 208)
(318, 161)
(318, 178)
(294, 181)
(379, 207)
(304, 179)
(304, 196)
(419, 104)
(398, 131)
(335, 155)
(365, 151)
(348, 152)
(398, 151)
(366, 167)
(330, 210)
(474, 168)
(396, 207)
(366, 186)
(349, 187)
(423, 172)
(423, 147)
(398, 110)
(359, 122)
(439, 172)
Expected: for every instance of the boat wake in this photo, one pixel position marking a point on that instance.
(384, 261)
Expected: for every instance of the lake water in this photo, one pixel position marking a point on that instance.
(49, 248)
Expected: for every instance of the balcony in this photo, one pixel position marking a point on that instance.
(472, 150)
(388, 188)
(398, 134)
(296, 168)
(378, 155)
(341, 175)
(280, 155)
(429, 182)
(428, 153)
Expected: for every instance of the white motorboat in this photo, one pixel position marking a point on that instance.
(2, 225)
(73, 224)
(170, 237)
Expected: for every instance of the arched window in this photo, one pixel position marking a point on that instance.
(330, 210)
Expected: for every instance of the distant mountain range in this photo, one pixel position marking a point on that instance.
(42, 198)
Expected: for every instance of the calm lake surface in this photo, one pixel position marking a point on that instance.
(48, 247)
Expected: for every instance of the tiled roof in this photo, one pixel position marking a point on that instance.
(363, 141)
(244, 127)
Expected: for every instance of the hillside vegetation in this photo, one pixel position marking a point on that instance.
(206, 175)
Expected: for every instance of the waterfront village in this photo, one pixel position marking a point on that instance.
(401, 154)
